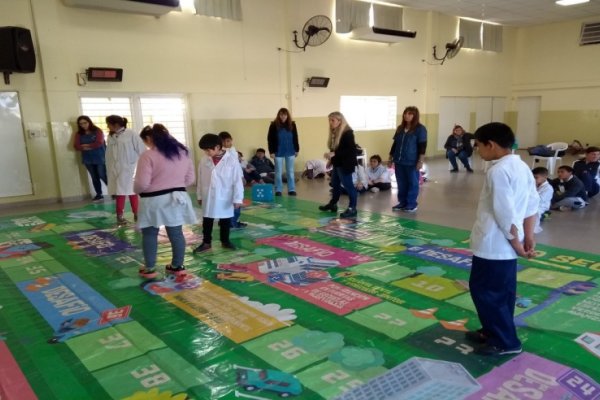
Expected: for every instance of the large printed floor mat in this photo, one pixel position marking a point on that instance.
(308, 307)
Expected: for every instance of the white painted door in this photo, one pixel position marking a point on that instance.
(15, 179)
(528, 121)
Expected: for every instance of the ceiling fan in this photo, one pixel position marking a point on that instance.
(452, 49)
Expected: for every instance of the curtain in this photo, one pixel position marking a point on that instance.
(492, 37)
(351, 14)
(471, 31)
(228, 9)
(387, 17)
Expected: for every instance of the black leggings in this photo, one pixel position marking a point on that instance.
(207, 227)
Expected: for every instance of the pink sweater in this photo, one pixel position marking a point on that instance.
(156, 172)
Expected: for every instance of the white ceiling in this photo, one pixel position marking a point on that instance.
(508, 12)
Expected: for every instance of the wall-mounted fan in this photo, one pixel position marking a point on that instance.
(315, 32)
(452, 49)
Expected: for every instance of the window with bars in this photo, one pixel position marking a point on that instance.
(369, 113)
(139, 111)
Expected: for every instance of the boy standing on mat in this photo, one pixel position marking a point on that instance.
(219, 190)
(503, 230)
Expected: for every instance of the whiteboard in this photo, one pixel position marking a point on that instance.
(15, 179)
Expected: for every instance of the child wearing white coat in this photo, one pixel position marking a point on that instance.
(545, 190)
(219, 190)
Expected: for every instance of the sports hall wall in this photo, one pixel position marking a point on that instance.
(235, 78)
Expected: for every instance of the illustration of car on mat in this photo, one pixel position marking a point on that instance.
(284, 384)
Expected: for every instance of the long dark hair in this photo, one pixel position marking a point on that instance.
(117, 120)
(288, 122)
(416, 121)
(92, 127)
(166, 144)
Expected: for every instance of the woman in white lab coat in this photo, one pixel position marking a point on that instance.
(123, 148)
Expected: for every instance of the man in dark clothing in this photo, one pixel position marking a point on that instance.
(264, 166)
(586, 170)
(569, 192)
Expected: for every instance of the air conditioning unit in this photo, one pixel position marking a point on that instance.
(146, 7)
(383, 35)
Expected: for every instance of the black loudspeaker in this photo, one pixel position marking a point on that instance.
(16, 50)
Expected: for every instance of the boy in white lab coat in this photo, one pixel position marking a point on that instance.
(219, 190)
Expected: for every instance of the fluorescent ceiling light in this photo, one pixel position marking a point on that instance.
(570, 2)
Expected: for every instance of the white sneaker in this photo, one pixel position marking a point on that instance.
(565, 208)
(374, 189)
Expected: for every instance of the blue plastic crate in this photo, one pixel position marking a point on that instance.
(262, 192)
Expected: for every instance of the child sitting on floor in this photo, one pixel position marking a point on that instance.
(378, 175)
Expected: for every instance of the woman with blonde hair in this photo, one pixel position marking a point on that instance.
(342, 157)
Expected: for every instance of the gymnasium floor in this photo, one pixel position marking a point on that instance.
(308, 307)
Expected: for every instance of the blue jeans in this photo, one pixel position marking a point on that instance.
(97, 173)
(339, 178)
(150, 245)
(289, 171)
(493, 285)
(407, 178)
(461, 155)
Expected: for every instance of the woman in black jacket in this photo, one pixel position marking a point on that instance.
(342, 156)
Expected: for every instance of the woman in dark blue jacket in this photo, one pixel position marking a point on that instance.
(342, 156)
(89, 139)
(408, 154)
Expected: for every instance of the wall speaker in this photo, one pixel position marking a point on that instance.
(16, 50)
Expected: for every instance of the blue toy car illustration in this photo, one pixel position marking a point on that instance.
(284, 384)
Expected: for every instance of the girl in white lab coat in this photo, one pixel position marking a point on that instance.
(219, 190)
(123, 148)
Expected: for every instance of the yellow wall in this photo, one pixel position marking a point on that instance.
(235, 77)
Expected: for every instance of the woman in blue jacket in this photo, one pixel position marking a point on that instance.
(89, 139)
(408, 154)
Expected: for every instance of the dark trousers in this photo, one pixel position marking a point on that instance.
(207, 227)
(591, 186)
(493, 285)
(97, 173)
(339, 178)
(407, 178)
(461, 155)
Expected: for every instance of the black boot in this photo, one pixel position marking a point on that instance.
(329, 207)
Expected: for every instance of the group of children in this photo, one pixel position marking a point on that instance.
(374, 178)
(572, 189)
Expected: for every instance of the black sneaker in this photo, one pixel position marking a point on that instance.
(202, 248)
(292, 193)
(228, 245)
(469, 169)
(398, 207)
(349, 213)
(329, 207)
(98, 198)
(489, 350)
(454, 170)
(277, 193)
(174, 271)
(476, 336)
(410, 209)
